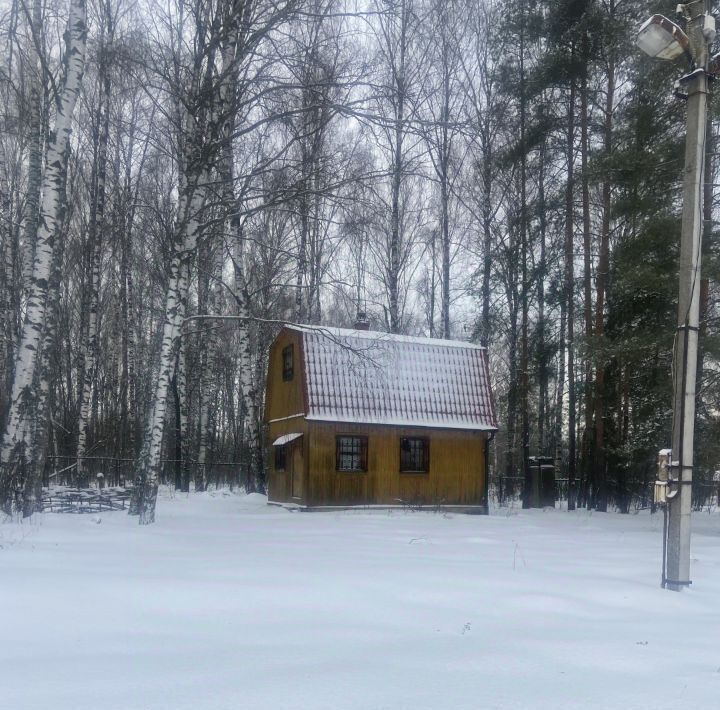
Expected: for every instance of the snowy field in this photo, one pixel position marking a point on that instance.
(228, 603)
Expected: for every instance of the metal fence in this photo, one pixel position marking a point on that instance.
(107, 471)
(508, 490)
(75, 500)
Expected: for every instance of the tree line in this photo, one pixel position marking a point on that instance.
(178, 179)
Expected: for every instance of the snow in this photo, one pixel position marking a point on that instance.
(340, 334)
(376, 378)
(228, 603)
(286, 439)
(428, 422)
(283, 419)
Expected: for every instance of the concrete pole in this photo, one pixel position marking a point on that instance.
(686, 339)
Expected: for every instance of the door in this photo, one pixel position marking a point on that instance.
(298, 468)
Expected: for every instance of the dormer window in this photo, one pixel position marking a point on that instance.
(287, 363)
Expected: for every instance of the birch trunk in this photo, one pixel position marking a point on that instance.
(178, 430)
(129, 406)
(445, 222)
(208, 302)
(393, 273)
(186, 243)
(23, 404)
(316, 251)
(179, 440)
(307, 161)
(560, 393)
(488, 158)
(307, 280)
(8, 314)
(184, 417)
(198, 142)
(511, 291)
(35, 133)
(250, 433)
(97, 223)
(442, 166)
(300, 278)
(32, 489)
(129, 351)
(248, 393)
(511, 426)
(125, 336)
(433, 285)
(255, 478)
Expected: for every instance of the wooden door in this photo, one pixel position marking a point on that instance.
(298, 468)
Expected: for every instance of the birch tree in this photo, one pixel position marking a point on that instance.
(445, 110)
(242, 28)
(17, 439)
(402, 66)
(96, 228)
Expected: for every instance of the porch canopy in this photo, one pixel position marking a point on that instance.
(286, 439)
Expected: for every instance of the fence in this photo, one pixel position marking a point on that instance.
(107, 471)
(505, 490)
(75, 500)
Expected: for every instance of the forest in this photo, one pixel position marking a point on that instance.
(178, 178)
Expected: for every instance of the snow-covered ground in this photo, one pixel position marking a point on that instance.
(228, 603)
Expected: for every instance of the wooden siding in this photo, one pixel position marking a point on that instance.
(283, 399)
(286, 399)
(455, 477)
(456, 474)
(280, 483)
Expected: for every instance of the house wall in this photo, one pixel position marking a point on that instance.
(280, 482)
(456, 475)
(283, 400)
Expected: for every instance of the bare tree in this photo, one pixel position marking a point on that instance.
(21, 418)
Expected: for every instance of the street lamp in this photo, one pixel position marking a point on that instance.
(663, 39)
(660, 38)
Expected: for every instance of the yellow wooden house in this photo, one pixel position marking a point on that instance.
(361, 418)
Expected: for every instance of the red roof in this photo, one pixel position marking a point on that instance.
(377, 378)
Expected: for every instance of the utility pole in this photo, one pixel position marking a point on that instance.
(663, 39)
(688, 320)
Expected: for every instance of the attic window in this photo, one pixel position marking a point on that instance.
(351, 453)
(287, 363)
(414, 455)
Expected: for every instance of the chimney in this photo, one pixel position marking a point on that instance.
(361, 321)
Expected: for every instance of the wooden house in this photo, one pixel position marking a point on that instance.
(359, 418)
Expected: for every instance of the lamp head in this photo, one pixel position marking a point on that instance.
(661, 38)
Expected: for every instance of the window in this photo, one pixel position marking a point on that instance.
(280, 457)
(287, 363)
(414, 455)
(351, 453)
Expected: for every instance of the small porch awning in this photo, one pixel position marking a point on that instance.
(286, 439)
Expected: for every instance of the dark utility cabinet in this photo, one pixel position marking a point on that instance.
(542, 475)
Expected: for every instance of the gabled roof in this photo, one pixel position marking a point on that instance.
(377, 378)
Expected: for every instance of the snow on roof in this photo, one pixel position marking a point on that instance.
(377, 378)
(334, 333)
(286, 439)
